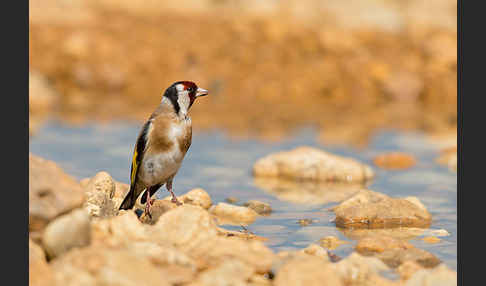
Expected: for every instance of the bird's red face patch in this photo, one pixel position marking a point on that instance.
(192, 89)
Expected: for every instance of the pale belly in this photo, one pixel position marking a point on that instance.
(159, 168)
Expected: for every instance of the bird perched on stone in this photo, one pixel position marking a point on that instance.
(162, 144)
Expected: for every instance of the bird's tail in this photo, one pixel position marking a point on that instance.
(129, 200)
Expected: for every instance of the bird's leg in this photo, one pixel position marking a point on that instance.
(148, 204)
(174, 198)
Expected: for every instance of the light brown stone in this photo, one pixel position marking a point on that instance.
(307, 163)
(227, 213)
(369, 209)
(197, 197)
(395, 161)
(40, 273)
(261, 208)
(394, 252)
(51, 192)
(66, 232)
(440, 275)
(306, 270)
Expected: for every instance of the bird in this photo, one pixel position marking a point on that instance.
(162, 144)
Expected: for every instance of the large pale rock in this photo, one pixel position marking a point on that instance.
(440, 275)
(192, 230)
(119, 230)
(231, 272)
(40, 273)
(197, 197)
(66, 232)
(307, 163)
(394, 252)
(370, 209)
(306, 270)
(100, 191)
(359, 270)
(96, 265)
(51, 192)
(307, 192)
(227, 213)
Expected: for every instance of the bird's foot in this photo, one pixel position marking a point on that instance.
(176, 201)
(147, 208)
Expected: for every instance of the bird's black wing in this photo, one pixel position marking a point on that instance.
(137, 158)
(139, 152)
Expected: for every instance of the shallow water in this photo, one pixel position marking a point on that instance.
(222, 166)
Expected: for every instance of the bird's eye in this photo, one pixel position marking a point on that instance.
(191, 89)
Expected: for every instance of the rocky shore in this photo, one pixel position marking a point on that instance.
(77, 236)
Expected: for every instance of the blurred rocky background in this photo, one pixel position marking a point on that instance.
(345, 67)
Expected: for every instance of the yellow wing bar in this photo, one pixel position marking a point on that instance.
(134, 166)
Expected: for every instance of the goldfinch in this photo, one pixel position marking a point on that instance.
(162, 144)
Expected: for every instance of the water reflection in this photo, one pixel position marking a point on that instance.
(307, 192)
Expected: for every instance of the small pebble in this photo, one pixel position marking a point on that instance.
(260, 207)
(305, 221)
(431, 239)
(440, 232)
(231, 200)
(330, 242)
(394, 161)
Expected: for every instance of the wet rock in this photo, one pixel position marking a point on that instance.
(404, 233)
(374, 210)
(260, 207)
(307, 192)
(197, 197)
(227, 213)
(440, 275)
(306, 270)
(40, 273)
(66, 232)
(431, 239)
(51, 192)
(231, 200)
(331, 242)
(307, 163)
(395, 161)
(243, 233)
(305, 221)
(100, 191)
(394, 252)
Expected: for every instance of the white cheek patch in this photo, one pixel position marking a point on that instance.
(184, 101)
(180, 87)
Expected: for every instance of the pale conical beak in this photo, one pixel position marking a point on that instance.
(201, 92)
